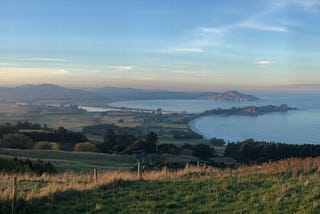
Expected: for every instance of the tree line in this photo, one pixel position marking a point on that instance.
(250, 151)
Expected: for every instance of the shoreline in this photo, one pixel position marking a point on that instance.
(193, 127)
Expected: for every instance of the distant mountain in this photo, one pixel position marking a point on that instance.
(134, 94)
(45, 92)
(141, 94)
(52, 93)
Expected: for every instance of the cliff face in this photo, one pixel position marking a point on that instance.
(231, 96)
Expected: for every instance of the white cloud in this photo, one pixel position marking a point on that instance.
(122, 68)
(263, 62)
(207, 30)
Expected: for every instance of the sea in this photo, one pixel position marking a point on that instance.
(301, 126)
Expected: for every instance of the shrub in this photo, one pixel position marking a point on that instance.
(85, 147)
(55, 146)
(44, 145)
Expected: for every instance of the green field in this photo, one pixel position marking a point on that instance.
(86, 161)
(74, 161)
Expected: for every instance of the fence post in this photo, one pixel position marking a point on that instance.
(165, 170)
(95, 176)
(187, 168)
(139, 170)
(198, 164)
(14, 186)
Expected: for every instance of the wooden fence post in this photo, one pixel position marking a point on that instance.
(187, 167)
(139, 170)
(198, 164)
(14, 194)
(95, 176)
(165, 170)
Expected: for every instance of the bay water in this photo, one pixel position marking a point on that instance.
(295, 127)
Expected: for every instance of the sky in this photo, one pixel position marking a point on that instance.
(162, 44)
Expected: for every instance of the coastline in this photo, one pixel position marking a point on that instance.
(193, 126)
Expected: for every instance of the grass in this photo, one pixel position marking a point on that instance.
(74, 122)
(181, 142)
(287, 186)
(74, 161)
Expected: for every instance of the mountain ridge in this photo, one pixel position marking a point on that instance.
(47, 92)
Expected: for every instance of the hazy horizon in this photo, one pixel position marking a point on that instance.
(172, 45)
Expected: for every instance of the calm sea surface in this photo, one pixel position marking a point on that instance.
(296, 127)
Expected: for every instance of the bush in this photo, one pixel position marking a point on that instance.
(44, 145)
(85, 147)
(168, 148)
(15, 165)
(16, 141)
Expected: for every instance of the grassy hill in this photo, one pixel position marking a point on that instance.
(286, 186)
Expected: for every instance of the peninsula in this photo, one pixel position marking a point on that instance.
(249, 110)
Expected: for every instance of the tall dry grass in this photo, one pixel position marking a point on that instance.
(31, 187)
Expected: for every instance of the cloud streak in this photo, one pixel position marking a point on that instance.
(186, 50)
(263, 62)
(192, 73)
(122, 68)
(21, 72)
(41, 59)
(252, 24)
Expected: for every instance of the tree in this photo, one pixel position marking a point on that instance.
(16, 141)
(168, 148)
(151, 138)
(203, 151)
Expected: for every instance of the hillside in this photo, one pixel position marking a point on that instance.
(286, 186)
(231, 96)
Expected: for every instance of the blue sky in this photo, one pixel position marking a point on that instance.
(182, 45)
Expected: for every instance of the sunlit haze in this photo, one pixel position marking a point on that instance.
(178, 45)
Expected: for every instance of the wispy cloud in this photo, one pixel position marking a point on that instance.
(263, 62)
(205, 38)
(299, 4)
(186, 50)
(192, 73)
(21, 72)
(5, 64)
(41, 59)
(253, 24)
